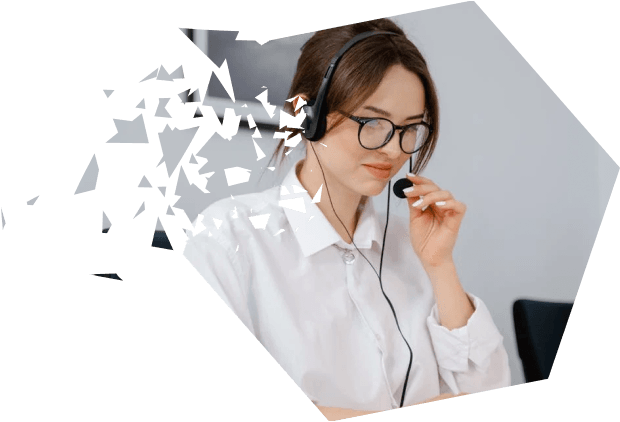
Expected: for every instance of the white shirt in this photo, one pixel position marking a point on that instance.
(327, 322)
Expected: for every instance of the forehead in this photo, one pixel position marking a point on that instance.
(400, 93)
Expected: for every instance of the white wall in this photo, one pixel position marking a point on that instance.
(535, 182)
(607, 174)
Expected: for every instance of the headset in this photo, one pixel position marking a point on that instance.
(314, 126)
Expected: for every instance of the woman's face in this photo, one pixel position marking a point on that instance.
(400, 98)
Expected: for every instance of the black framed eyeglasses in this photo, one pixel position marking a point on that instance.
(376, 132)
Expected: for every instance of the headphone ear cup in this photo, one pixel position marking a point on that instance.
(315, 122)
(310, 123)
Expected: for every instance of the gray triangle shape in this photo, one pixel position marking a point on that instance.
(141, 105)
(178, 74)
(192, 160)
(2, 218)
(106, 222)
(108, 92)
(163, 75)
(144, 183)
(161, 108)
(140, 210)
(169, 212)
(162, 189)
(151, 76)
(32, 201)
(89, 179)
(195, 96)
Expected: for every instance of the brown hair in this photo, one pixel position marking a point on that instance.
(360, 72)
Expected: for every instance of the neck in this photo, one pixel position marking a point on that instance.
(345, 202)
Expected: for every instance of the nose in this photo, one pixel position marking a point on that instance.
(392, 148)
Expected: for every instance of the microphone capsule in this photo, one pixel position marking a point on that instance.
(400, 185)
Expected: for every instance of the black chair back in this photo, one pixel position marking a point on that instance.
(539, 327)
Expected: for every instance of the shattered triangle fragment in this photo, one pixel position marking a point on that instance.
(106, 222)
(89, 179)
(142, 208)
(113, 275)
(317, 196)
(130, 132)
(32, 201)
(198, 113)
(160, 239)
(161, 108)
(144, 183)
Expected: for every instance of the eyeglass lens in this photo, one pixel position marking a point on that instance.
(375, 132)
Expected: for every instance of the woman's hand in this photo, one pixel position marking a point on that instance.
(433, 232)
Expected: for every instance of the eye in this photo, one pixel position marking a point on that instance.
(413, 128)
(372, 123)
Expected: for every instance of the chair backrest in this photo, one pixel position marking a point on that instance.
(539, 327)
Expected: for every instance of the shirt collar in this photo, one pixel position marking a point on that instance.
(312, 230)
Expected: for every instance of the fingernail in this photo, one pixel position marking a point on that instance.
(418, 202)
(411, 174)
(440, 203)
(425, 207)
(408, 190)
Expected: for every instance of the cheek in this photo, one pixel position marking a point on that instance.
(402, 165)
(343, 146)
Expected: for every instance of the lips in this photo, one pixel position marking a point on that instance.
(379, 173)
(380, 166)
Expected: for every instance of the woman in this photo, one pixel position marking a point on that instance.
(361, 318)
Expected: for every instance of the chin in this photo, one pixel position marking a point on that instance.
(375, 188)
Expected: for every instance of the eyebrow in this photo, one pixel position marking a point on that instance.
(387, 114)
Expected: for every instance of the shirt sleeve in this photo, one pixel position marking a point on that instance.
(213, 256)
(471, 358)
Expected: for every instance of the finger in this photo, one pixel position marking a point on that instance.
(417, 179)
(421, 186)
(444, 209)
(446, 204)
(425, 200)
(449, 208)
(419, 190)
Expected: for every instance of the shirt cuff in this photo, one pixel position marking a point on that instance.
(475, 341)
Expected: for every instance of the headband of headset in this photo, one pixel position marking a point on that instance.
(315, 123)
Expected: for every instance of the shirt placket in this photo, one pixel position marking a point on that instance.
(352, 261)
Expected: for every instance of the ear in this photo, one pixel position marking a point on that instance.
(331, 120)
(296, 101)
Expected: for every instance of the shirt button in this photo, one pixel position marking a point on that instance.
(348, 258)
